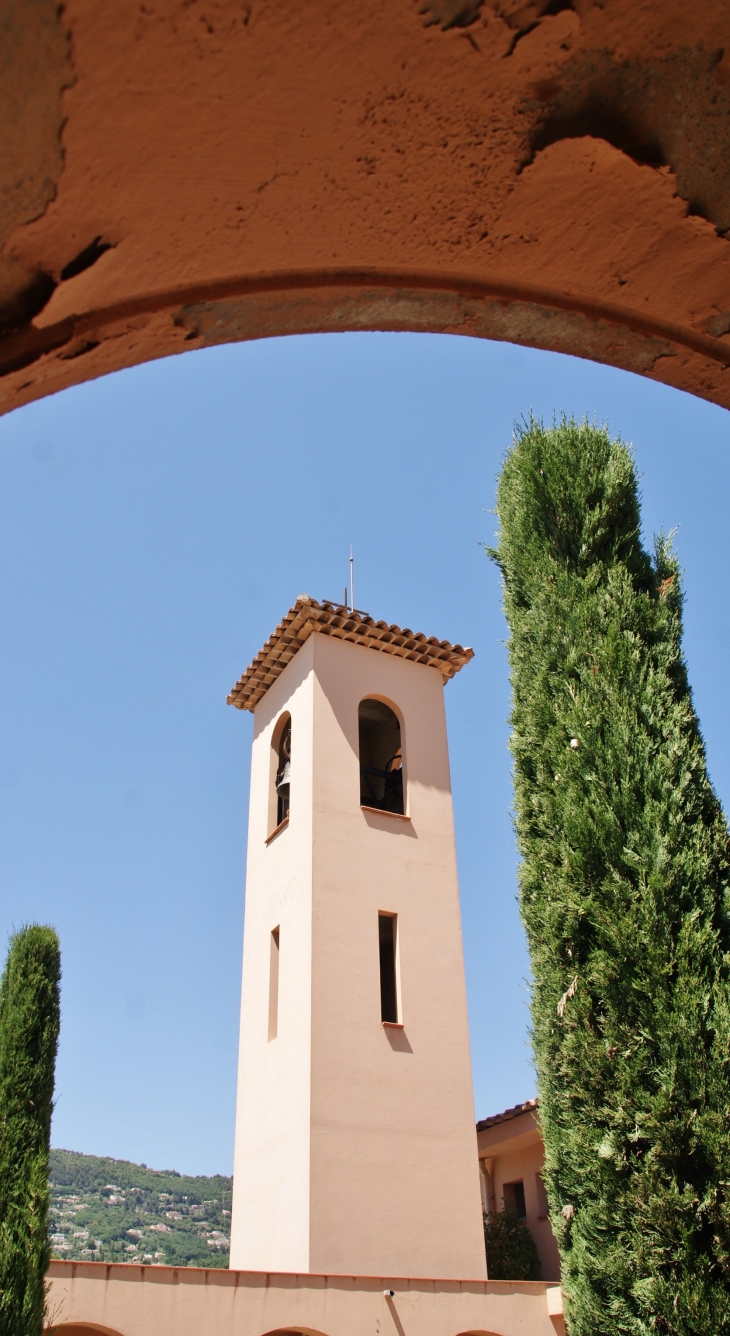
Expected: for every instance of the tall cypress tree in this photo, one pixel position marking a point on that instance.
(624, 877)
(29, 1024)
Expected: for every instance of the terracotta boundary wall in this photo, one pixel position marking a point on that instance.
(131, 1300)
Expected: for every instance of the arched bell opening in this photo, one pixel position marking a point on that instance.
(280, 786)
(381, 757)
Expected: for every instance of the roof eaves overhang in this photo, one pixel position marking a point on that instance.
(308, 616)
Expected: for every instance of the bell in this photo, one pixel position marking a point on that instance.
(282, 780)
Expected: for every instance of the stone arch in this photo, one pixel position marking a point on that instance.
(482, 167)
(82, 1329)
(294, 1331)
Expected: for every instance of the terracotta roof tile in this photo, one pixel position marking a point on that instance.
(530, 1106)
(335, 620)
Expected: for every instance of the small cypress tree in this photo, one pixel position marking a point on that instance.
(29, 1024)
(624, 876)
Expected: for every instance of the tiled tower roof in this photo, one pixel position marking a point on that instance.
(332, 619)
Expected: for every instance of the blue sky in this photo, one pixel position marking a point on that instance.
(154, 527)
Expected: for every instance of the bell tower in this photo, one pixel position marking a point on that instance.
(355, 1145)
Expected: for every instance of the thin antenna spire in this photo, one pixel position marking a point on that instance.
(352, 581)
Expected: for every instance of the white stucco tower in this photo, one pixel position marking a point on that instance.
(355, 1142)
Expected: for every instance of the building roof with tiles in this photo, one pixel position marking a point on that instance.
(332, 619)
(529, 1106)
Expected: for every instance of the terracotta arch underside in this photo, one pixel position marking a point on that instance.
(181, 173)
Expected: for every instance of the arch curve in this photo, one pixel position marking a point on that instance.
(392, 168)
(294, 1331)
(83, 1329)
(239, 309)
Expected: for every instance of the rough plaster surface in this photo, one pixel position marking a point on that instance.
(183, 172)
(34, 70)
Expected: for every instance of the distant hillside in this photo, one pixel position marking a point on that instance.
(113, 1211)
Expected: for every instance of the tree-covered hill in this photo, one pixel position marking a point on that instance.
(113, 1211)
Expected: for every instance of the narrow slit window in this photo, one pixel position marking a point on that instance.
(274, 984)
(381, 757)
(387, 935)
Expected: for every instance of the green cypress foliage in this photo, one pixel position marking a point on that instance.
(29, 1024)
(625, 868)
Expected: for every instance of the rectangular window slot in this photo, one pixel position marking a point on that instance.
(274, 984)
(388, 942)
(514, 1198)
